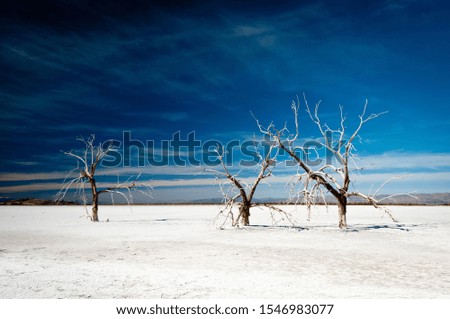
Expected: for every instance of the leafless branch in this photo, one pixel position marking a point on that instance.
(238, 192)
(309, 186)
(91, 157)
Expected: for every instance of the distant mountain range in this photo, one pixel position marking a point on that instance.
(417, 199)
(414, 199)
(34, 202)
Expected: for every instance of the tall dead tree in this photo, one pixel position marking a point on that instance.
(84, 173)
(237, 191)
(332, 177)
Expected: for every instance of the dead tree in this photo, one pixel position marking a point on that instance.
(84, 173)
(332, 177)
(237, 191)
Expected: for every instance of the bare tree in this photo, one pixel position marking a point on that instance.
(331, 178)
(84, 173)
(236, 191)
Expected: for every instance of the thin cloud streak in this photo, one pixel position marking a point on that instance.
(276, 184)
(395, 160)
(401, 162)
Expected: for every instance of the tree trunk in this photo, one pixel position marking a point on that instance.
(342, 209)
(94, 216)
(244, 213)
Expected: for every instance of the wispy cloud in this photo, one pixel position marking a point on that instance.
(106, 172)
(26, 163)
(395, 5)
(247, 30)
(174, 116)
(35, 187)
(405, 161)
(21, 177)
(419, 182)
(392, 161)
(267, 41)
(22, 53)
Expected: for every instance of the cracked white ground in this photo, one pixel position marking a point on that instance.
(177, 252)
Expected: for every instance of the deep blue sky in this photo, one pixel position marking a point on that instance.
(72, 68)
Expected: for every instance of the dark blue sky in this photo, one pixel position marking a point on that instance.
(72, 68)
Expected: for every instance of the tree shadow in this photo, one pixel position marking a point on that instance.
(400, 227)
(296, 228)
(143, 221)
(350, 229)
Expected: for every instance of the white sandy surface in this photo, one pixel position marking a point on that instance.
(177, 252)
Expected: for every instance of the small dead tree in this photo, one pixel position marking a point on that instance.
(84, 173)
(334, 179)
(236, 191)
